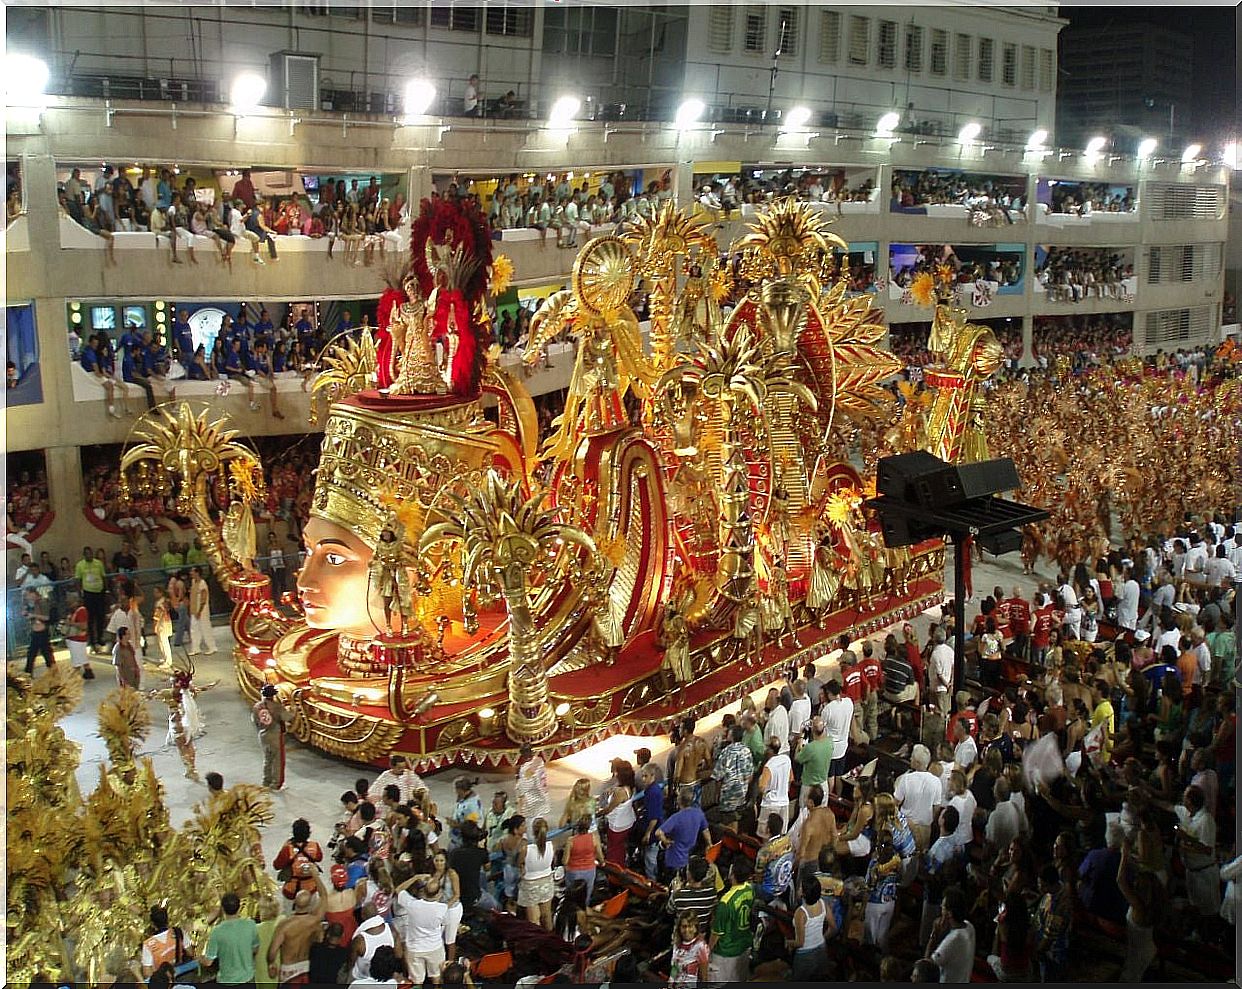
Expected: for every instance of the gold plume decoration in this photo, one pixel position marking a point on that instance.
(124, 721)
(789, 238)
(549, 322)
(855, 365)
(668, 233)
(346, 369)
(246, 482)
(502, 273)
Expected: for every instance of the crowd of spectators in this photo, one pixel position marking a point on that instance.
(364, 221)
(1004, 270)
(814, 185)
(1085, 339)
(1062, 803)
(26, 504)
(908, 341)
(1074, 274)
(913, 189)
(1085, 198)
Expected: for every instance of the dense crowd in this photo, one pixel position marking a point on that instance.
(1075, 274)
(911, 189)
(1085, 198)
(908, 341)
(1085, 339)
(1004, 271)
(365, 222)
(1061, 803)
(26, 503)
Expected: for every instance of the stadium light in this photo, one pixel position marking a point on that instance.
(1037, 140)
(246, 92)
(25, 79)
(419, 95)
(1147, 146)
(797, 118)
(563, 111)
(1230, 155)
(969, 132)
(885, 126)
(689, 113)
(1096, 145)
(1191, 153)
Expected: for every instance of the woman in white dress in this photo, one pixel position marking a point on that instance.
(531, 789)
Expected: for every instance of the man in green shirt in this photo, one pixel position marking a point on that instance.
(752, 738)
(90, 576)
(815, 757)
(195, 557)
(172, 559)
(232, 944)
(731, 932)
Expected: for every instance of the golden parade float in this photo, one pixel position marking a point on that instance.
(468, 590)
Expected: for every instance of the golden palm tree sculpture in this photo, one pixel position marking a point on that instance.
(508, 543)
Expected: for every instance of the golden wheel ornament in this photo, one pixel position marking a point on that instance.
(604, 276)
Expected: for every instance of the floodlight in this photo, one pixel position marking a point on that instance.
(419, 95)
(246, 92)
(1037, 139)
(1230, 155)
(1096, 145)
(1147, 146)
(969, 132)
(689, 112)
(885, 126)
(1191, 152)
(563, 111)
(25, 78)
(797, 118)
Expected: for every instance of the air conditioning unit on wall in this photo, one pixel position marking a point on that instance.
(294, 80)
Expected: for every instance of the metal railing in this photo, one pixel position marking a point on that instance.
(144, 581)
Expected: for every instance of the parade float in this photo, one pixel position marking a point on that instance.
(687, 534)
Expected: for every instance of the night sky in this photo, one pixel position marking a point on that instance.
(1215, 72)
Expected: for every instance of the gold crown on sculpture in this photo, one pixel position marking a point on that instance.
(372, 459)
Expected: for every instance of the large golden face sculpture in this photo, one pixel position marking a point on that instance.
(334, 585)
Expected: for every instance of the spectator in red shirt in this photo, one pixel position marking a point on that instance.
(873, 676)
(1018, 611)
(914, 656)
(1001, 614)
(1041, 629)
(243, 189)
(853, 685)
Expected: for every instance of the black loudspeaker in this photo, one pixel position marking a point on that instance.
(998, 543)
(900, 530)
(954, 484)
(896, 476)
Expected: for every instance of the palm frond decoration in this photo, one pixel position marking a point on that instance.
(346, 368)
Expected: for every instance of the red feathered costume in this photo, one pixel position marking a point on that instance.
(454, 223)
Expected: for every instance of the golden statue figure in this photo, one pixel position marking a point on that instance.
(778, 614)
(748, 628)
(825, 581)
(419, 374)
(968, 354)
(389, 577)
(675, 639)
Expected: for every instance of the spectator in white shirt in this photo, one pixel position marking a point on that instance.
(838, 715)
(963, 801)
(952, 944)
(918, 793)
(1197, 844)
(940, 671)
(1219, 569)
(965, 751)
(777, 725)
(1005, 822)
(1128, 600)
(1235, 552)
(799, 710)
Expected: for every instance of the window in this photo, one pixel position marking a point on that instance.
(344, 10)
(914, 48)
(886, 52)
(1009, 68)
(580, 30)
(1047, 70)
(756, 36)
(961, 57)
(720, 28)
(455, 18)
(829, 36)
(788, 26)
(860, 31)
(1028, 67)
(396, 14)
(985, 59)
(510, 21)
(939, 52)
